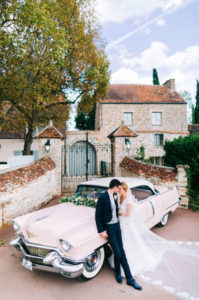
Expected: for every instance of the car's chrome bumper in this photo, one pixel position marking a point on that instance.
(51, 262)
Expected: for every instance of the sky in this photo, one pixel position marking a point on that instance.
(144, 34)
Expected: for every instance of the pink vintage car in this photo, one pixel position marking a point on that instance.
(64, 239)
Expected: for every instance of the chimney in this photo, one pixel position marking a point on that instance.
(171, 85)
(50, 123)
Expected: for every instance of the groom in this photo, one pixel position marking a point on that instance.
(106, 217)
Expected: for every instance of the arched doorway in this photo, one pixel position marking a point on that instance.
(77, 159)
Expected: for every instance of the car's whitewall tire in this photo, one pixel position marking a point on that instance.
(163, 221)
(93, 264)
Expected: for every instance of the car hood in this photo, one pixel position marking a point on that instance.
(75, 224)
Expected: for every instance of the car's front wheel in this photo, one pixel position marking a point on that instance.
(93, 264)
(163, 221)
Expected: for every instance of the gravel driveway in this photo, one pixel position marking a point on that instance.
(19, 283)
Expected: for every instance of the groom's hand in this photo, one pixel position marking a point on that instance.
(104, 234)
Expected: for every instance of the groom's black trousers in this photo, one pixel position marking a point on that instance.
(115, 240)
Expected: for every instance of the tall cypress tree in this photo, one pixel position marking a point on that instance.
(196, 110)
(155, 77)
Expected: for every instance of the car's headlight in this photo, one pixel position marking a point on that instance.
(15, 226)
(65, 245)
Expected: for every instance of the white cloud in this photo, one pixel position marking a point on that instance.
(186, 58)
(180, 65)
(172, 3)
(126, 75)
(156, 56)
(146, 31)
(119, 11)
(160, 22)
(184, 81)
(150, 58)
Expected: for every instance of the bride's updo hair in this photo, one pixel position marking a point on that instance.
(124, 186)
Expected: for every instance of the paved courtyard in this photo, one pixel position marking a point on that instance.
(19, 283)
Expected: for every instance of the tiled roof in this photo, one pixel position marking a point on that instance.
(193, 128)
(21, 176)
(122, 131)
(50, 132)
(12, 134)
(20, 134)
(137, 93)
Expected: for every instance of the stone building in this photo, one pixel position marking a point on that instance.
(154, 113)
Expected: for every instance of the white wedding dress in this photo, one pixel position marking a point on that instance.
(170, 265)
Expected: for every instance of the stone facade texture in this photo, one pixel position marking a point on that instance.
(25, 189)
(173, 124)
(158, 175)
(164, 174)
(19, 177)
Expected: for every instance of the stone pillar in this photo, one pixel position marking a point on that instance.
(1, 215)
(118, 153)
(182, 185)
(3, 201)
(55, 154)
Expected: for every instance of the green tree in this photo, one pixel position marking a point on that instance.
(196, 109)
(140, 153)
(184, 151)
(193, 114)
(187, 97)
(51, 55)
(155, 77)
(85, 121)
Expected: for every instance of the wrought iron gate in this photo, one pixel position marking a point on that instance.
(83, 161)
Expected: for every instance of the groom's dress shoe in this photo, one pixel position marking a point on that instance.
(134, 284)
(118, 278)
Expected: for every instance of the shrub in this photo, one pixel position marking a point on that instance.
(185, 151)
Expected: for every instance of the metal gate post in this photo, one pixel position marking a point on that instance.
(87, 156)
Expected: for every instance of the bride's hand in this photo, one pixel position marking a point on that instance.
(119, 213)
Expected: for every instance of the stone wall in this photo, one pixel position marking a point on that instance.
(174, 123)
(158, 175)
(25, 189)
(173, 117)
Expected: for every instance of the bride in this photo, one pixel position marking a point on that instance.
(169, 265)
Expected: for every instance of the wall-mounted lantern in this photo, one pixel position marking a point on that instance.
(47, 146)
(128, 145)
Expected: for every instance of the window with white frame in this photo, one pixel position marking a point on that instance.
(156, 118)
(158, 139)
(128, 118)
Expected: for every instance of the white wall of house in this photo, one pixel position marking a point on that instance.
(10, 146)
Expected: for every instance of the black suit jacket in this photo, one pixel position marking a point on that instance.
(103, 212)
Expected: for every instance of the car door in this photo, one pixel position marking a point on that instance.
(145, 208)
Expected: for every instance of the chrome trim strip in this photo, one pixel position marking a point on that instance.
(177, 202)
(27, 243)
(153, 210)
(65, 258)
(54, 270)
(45, 268)
(58, 264)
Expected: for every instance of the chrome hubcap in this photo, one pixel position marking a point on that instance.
(164, 219)
(92, 261)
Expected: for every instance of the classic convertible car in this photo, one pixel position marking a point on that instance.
(64, 239)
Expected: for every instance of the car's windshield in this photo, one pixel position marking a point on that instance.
(90, 191)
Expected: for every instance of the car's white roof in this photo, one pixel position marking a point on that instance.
(131, 181)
